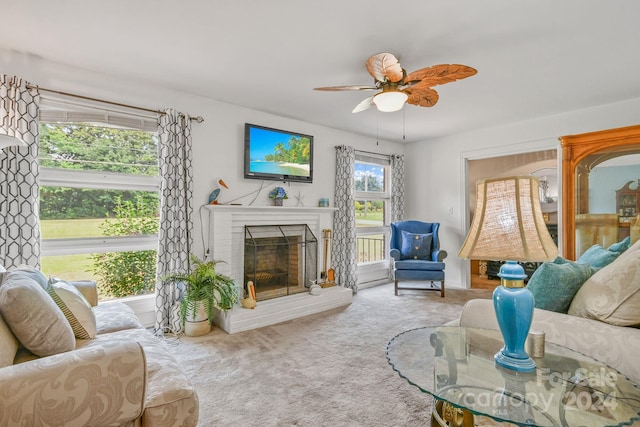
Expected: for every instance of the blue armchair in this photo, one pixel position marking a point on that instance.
(416, 254)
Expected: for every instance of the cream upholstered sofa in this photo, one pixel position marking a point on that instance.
(617, 346)
(120, 374)
(602, 320)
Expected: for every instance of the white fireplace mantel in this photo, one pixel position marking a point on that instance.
(226, 243)
(226, 230)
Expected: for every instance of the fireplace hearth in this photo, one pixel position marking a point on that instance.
(226, 242)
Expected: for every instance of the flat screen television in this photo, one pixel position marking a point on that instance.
(277, 155)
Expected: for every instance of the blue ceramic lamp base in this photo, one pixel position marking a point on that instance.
(513, 304)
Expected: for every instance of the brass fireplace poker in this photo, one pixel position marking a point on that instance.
(328, 275)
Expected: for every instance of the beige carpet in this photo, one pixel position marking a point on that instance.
(328, 369)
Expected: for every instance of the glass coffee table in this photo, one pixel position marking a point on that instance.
(455, 365)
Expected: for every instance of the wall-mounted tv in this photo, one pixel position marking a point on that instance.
(277, 155)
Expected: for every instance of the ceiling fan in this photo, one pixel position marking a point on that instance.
(397, 87)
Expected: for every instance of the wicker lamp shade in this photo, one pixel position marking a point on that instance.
(508, 223)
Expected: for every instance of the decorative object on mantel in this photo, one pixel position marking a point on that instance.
(508, 224)
(299, 198)
(323, 202)
(315, 289)
(213, 197)
(250, 300)
(331, 279)
(278, 194)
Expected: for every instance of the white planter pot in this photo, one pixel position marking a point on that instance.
(199, 324)
(196, 329)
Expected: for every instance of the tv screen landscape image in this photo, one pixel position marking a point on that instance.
(276, 154)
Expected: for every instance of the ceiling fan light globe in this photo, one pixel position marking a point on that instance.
(390, 101)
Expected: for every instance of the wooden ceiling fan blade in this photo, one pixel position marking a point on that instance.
(385, 66)
(422, 96)
(364, 105)
(352, 87)
(440, 74)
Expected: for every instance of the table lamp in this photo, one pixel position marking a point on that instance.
(508, 225)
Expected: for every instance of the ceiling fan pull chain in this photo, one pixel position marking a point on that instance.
(404, 116)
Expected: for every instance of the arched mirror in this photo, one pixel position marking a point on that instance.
(601, 197)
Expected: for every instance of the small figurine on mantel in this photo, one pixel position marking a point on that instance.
(250, 300)
(213, 197)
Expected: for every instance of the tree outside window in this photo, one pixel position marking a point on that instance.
(99, 221)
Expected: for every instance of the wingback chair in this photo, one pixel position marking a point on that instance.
(416, 254)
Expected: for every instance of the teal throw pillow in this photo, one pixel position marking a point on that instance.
(621, 246)
(415, 246)
(598, 257)
(554, 284)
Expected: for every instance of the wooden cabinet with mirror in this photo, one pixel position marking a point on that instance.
(627, 200)
(581, 157)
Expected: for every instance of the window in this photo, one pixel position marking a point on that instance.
(99, 190)
(373, 194)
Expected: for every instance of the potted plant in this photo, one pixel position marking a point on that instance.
(278, 194)
(204, 290)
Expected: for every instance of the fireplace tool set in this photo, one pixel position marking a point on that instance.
(328, 275)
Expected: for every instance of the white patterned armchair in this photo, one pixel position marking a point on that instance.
(119, 374)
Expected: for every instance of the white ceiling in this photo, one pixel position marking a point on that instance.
(534, 57)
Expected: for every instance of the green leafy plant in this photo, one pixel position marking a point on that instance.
(278, 193)
(123, 274)
(204, 286)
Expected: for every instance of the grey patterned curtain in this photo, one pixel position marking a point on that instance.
(19, 171)
(344, 220)
(175, 237)
(397, 187)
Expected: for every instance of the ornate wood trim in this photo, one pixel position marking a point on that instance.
(576, 148)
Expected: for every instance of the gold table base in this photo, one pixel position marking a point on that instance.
(446, 415)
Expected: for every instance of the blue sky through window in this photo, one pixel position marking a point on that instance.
(362, 169)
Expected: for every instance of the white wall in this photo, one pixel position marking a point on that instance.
(217, 143)
(435, 176)
(436, 182)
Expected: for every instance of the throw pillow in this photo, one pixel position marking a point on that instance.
(32, 273)
(8, 345)
(33, 317)
(621, 246)
(76, 309)
(554, 284)
(416, 246)
(598, 257)
(612, 295)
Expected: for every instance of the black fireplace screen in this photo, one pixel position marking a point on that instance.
(279, 259)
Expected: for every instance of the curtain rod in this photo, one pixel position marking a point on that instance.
(369, 152)
(198, 119)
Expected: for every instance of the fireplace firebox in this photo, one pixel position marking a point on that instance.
(280, 260)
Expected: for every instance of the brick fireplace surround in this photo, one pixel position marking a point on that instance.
(226, 243)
